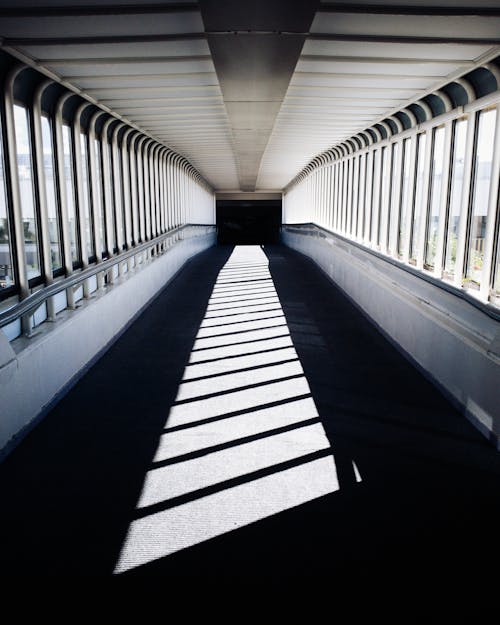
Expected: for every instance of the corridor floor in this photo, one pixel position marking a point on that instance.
(251, 420)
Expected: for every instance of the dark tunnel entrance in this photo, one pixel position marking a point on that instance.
(248, 222)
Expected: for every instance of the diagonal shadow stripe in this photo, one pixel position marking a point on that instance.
(241, 370)
(237, 389)
(271, 338)
(235, 323)
(236, 413)
(234, 443)
(228, 484)
(238, 332)
(262, 351)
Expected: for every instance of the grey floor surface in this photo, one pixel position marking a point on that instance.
(253, 423)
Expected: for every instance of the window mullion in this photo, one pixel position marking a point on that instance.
(489, 239)
(466, 197)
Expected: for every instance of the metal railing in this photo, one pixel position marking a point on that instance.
(25, 308)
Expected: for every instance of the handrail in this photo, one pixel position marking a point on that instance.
(484, 307)
(33, 301)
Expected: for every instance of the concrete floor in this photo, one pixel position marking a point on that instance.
(253, 423)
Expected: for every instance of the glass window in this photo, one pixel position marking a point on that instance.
(6, 269)
(70, 195)
(419, 196)
(361, 200)
(393, 207)
(85, 207)
(404, 208)
(374, 237)
(25, 174)
(355, 207)
(50, 188)
(117, 190)
(385, 199)
(436, 185)
(496, 265)
(109, 208)
(368, 195)
(97, 196)
(457, 181)
(481, 187)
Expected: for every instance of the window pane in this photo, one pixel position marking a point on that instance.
(52, 212)
(482, 179)
(111, 212)
(368, 195)
(70, 195)
(89, 233)
(98, 196)
(457, 181)
(361, 197)
(393, 207)
(6, 270)
(25, 173)
(419, 199)
(117, 189)
(404, 208)
(376, 199)
(386, 194)
(436, 183)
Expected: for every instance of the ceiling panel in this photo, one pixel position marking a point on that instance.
(352, 73)
(249, 108)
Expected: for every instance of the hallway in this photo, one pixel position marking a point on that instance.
(251, 420)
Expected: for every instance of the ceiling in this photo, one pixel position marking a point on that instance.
(250, 92)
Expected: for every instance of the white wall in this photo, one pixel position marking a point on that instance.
(454, 342)
(35, 372)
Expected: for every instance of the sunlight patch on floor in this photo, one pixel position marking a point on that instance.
(243, 440)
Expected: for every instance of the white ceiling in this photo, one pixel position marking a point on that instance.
(155, 68)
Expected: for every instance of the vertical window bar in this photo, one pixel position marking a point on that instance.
(355, 199)
(107, 178)
(368, 197)
(168, 176)
(117, 187)
(157, 188)
(466, 200)
(385, 194)
(481, 210)
(140, 188)
(98, 215)
(27, 192)
(69, 186)
(21, 270)
(347, 219)
(86, 214)
(456, 200)
(409, 186)
(375, 209)
(422, 172)
(7, 277)
(127, 204)
(134, 200)
(80, 192)
(152, 190)
(491, 268)
(53, 209)
(49, 215)
(361, 197)
(436, 169)
(164, 189)
(443, 201)
(62, 192)
(396, 196)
